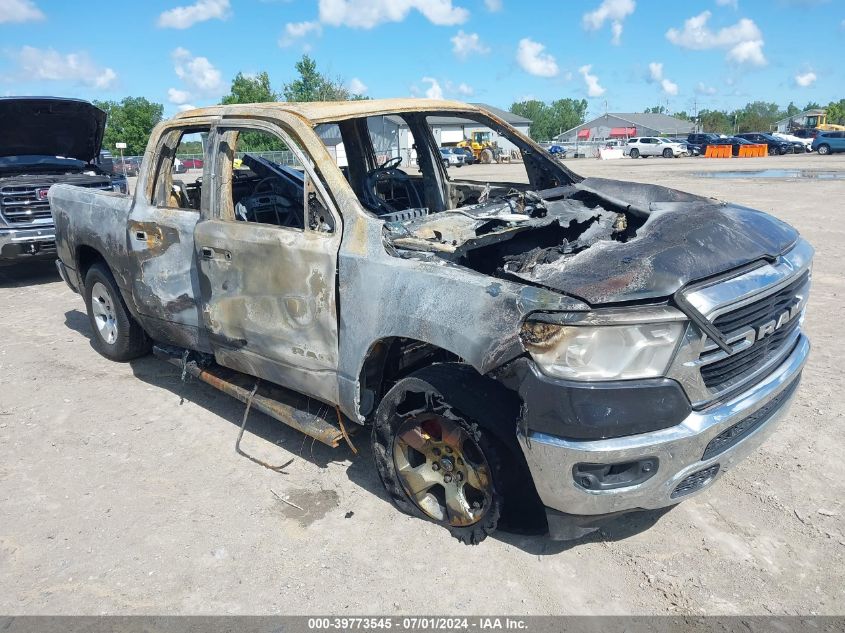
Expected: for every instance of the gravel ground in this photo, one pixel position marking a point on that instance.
(120, 491)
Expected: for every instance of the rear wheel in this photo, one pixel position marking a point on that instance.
(487, 156)
(117, 335)
(440, 458)
(824, 149)
(635, 153)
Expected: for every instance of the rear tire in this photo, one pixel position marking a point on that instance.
(117, 335)
(824, 149)
(635, 153)
(445, 449)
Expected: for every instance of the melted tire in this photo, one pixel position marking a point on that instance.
(460, 394)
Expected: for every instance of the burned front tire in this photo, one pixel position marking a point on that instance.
(117, 335)
(441, 453)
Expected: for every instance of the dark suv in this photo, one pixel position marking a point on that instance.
(776, 145)
(702, 139)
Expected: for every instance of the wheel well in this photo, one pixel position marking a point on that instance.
(391, 359)
(85, 258)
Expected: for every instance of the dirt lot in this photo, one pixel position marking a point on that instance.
(120, 491)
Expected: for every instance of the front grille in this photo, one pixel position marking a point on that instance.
(746, 426)
(734, 368)
(695, 481)
(20, 204)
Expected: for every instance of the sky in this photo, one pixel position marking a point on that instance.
(620, 55)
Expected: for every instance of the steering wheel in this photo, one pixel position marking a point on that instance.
(285, 215)
(390, 163)
(388, 171)
(271, 181)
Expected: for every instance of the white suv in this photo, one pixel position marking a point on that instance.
(653, 146)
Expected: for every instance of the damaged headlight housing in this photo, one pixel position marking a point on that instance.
(603, 352)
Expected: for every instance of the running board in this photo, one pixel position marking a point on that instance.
(284, 405)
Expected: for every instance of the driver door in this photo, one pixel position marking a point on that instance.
(268, 279)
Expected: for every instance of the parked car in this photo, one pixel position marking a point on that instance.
(702, 139)
(452, 156)
(558, 151)
(775, 145)
(45, 141)
(800, 144)
(829, 142)
(192, 163)
(469, 157)
(653, 146)
(563, 349)
(690, 149)
(127, 166)
(733, 141)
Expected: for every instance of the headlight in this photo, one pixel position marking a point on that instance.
(602, 352)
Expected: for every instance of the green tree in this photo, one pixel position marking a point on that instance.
(758, 116)
(792, 109)
(812, 105)
(251, 89)
(312, 85)
(130, 121)
(716, 121)
(658, 109)
(549, 120)
(836, 112)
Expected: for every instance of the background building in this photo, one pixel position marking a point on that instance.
(626, 125)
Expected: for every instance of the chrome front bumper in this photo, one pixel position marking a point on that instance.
(22, 243)
(679, 449)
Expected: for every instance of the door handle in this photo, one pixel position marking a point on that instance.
(207, 253)
(141, 236)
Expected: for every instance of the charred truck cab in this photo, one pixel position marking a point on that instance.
(553, 349)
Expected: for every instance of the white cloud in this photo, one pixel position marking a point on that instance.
(655, 71)
(19, 11)
(493, 5)
(743, 40)
(178, 97)
(703, 89)
(593, 87)
(200, 11)
(805, 80)
(613, 11)
(533, 60)
(465, 44)
(49, 65)
(358, 87)
(728, 3)
(365, 14)
(434, 91)
(616, 29)
(197, 73)
(297, 30)
(462, 89)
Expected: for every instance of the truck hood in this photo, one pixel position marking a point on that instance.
(50, 126)
(602, 241)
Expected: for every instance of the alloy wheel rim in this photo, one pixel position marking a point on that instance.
(102, 308)
(443, 470)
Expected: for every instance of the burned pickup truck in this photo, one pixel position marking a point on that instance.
(542, 349)
(44, 141)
